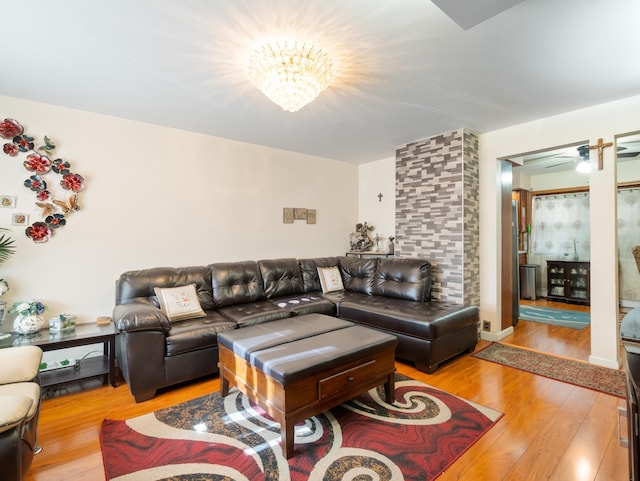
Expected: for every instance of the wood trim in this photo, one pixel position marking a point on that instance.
(575, 190)
(506, 273)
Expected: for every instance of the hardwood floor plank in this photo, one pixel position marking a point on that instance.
(550, 429)
(553, 439)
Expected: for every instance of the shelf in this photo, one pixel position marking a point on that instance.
(85, 368)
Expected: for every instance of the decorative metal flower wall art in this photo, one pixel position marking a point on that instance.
(38, 164)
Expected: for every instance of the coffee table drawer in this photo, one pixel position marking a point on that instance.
(345, 380)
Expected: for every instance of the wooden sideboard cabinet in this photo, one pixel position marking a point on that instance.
(569, 281)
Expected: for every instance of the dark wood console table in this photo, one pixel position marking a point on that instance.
(82, 335)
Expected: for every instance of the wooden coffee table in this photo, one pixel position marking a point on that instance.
(295, 380)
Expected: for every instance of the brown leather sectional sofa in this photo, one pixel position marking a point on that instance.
(391, 295)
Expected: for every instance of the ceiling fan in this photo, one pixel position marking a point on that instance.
(583, 154)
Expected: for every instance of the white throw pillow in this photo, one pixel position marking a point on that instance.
(330, 279)
(179, 302)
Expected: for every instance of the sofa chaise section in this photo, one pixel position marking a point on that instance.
(394, 296)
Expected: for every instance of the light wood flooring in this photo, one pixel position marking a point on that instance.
(550, 430)
(559, 341)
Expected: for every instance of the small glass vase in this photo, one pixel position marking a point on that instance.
(29, 324)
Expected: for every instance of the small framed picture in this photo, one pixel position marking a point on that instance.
(311, 216)
(8, 201)
(20, 219)
(287, 215)
(299, 213)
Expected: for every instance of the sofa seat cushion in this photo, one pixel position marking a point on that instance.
(254, 313)
(424, 320)
(300, 305)
(195, 334)
(244, 342)
(339, 297)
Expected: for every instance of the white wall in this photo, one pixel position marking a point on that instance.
(378, 177)
(157, 196)
(604, 121)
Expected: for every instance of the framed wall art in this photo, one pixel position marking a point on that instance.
(311, 216)
(287, 215)
(299, 213)
(8, 201)
(20, 219)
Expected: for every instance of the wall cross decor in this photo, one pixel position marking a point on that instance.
(380, 197)
(600, 146)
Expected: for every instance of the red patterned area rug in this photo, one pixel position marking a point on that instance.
(214, 438)
(608, 381)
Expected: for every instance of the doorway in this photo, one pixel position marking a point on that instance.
(569, 342)
(551, 171)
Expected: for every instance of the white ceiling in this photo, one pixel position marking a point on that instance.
(405, 69)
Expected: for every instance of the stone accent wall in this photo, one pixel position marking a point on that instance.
(437, 199)
(471, 228)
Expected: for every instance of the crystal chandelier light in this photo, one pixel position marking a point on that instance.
(290, 74)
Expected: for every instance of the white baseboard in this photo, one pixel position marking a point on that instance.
(496, 336)
(598, 361)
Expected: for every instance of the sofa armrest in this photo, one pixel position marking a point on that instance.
(15, 410)
(140, 317)
(19, 364)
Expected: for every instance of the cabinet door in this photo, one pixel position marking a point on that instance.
(577, 274)
(556, 280)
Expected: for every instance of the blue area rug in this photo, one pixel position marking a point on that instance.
(555, 317)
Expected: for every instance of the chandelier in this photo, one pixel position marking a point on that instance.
(290, 74)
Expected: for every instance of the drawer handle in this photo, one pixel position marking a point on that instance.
(350, 379)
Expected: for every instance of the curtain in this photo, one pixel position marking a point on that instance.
(628, 237)
(560, 226)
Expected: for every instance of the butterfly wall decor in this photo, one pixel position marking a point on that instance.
(57, 205)
(38, 163)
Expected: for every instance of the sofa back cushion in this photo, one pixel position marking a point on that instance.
(236, 283)
(138, 286)
(407, 278)
(281, 277)
(358, 274)
(309, 271)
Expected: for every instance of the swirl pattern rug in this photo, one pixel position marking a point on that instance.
(224, 439)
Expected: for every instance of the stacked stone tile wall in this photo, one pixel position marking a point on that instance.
(437, 211)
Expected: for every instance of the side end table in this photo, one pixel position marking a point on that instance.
(82, 335)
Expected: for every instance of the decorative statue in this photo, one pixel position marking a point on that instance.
(360, 240)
